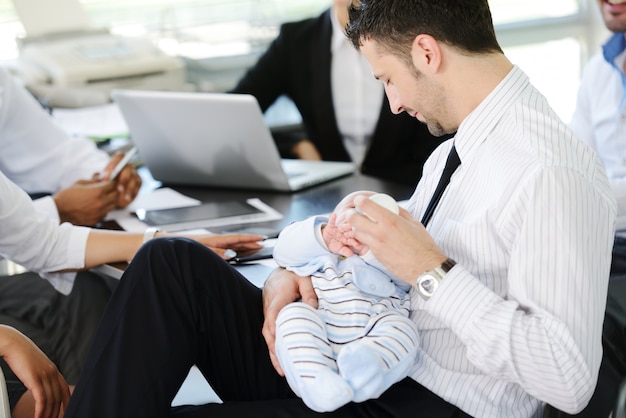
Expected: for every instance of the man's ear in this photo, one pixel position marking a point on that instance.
(426, 53)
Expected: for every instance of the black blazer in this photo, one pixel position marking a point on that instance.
(298, 64)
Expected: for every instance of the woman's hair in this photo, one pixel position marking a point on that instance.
(465, 25)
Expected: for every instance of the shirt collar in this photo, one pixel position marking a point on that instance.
(339, 36)
(611, 51)
(480, 122)
(614, 47)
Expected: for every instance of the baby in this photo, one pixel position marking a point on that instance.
(360, 340)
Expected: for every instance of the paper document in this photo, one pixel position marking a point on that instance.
(95, 122)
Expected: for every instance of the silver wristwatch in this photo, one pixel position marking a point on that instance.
(428, 282)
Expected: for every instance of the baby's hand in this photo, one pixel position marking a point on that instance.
(345, 208)
(339, 238)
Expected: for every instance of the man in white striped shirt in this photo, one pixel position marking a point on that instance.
(528, 217)
(509, 275)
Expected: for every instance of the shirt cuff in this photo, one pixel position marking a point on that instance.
(64, 282)
(47, 207)
(458, 301)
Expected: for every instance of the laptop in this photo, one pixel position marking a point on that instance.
(216, 140)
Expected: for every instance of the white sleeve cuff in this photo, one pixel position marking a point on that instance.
(47, 207)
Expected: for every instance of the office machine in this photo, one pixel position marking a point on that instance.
(67, 62)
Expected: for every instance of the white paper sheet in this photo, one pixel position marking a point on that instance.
(163, 198)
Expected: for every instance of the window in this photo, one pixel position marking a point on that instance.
(549, 40)
(515, 11)
(184, 27)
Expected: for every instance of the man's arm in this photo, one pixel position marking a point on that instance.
(282, 288)
(550, 313)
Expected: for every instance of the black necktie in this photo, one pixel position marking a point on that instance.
(452, 163)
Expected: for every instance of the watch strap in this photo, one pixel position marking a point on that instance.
(150, 233)
(447, 265)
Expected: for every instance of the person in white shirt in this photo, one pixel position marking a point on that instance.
(599, 120)
(42, 245)
(508, 273)
(41, 158)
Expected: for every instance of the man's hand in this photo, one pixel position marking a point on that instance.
(345, 208)
(48, 387)
(399, 242)
(306, 150)
(280, 289)
(128, 181)
(86, 202)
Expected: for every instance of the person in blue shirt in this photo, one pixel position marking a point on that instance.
(599, 120)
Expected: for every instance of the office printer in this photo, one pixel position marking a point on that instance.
(66, 62)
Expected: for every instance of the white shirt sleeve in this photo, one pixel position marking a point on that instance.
(47, 207)
(37, 242)
(544, 334)
(37, 154)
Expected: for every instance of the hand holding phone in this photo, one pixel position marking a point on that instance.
(122, 163)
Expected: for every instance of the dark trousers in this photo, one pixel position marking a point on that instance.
(62, 326)
(614, 336)
(618, 261)
(179, 304)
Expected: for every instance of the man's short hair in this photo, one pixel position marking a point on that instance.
(463, 24)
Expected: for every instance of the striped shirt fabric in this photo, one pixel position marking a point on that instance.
(529, 217)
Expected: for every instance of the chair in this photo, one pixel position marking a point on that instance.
(5, 409)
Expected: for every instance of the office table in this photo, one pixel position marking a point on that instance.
(294, 206)
(299, 205)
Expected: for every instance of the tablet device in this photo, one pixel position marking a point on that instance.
(206, 214)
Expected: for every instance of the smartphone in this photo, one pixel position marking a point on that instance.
(253, 255)
(122, 163)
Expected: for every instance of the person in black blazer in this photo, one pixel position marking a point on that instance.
(298, 65)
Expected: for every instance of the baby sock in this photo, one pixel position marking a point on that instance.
(376, 361)
(306, 357)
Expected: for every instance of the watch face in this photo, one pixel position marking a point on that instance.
(428, 285)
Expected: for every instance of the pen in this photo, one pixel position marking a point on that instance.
(125, 160)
